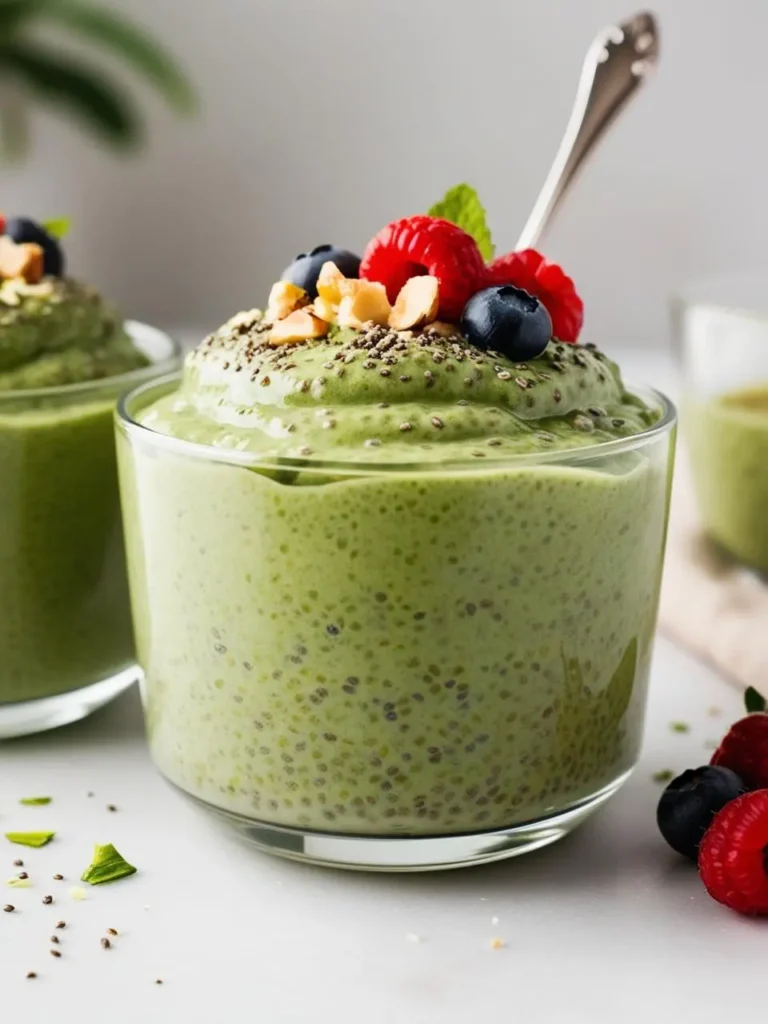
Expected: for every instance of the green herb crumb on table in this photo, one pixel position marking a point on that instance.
(107, 866)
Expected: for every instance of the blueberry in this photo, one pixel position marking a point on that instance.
(305, 269)
(690, 802)
(22, 229)
(507, 320)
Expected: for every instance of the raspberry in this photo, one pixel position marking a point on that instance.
(732, 858)
(529, 270)
(426, 245)
(745, 750)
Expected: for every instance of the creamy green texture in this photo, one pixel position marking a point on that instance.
(64, 616)
(382, 396)
(60, 331)
(728, 443)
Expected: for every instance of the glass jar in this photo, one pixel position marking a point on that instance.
(394, 667)
(721, 328)
(66, 645)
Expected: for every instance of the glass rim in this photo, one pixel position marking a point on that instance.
(130, 380)
(251, 460)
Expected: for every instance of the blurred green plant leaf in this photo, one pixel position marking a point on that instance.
(128, 41)
(85, 92)
(14, 12)
(58, 226)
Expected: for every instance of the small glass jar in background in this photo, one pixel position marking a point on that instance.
(721, 328)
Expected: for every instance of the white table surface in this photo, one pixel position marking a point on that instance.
(605, 926)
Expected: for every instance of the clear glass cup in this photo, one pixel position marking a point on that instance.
(721, 331)
(66, 644)
(394, 667)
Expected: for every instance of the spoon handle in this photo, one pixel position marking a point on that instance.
(616, 65)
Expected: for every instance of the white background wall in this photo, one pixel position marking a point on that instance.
(324, 119)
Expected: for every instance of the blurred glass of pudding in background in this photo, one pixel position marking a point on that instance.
(721, 328)
(66, 355)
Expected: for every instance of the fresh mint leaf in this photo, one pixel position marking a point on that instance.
(58, 226)
(754, 701)
(461, 206)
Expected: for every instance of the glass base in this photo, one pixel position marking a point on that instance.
(412, 853)
(26, 717)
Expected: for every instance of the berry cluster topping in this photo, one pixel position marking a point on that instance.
(30, 251)
(718, 814)
(425, 269)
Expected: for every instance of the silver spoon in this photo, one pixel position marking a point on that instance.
(617, 64)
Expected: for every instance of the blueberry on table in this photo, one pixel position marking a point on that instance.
(690, 802)
(508, 320)
(305, 269)
(22, 229)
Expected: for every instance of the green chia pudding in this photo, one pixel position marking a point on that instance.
(64, 607)
(728, 443)
(390, 582)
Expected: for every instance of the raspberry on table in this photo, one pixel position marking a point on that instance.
(426, 245)
(745, 750)
(732, 858)
(529, 270)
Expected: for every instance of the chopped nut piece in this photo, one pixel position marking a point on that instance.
(284, 298)
(367, 302)
(324, 309)
(331, 284)
(300, 325)
(497, 943)
(20, 260)
(416, 304)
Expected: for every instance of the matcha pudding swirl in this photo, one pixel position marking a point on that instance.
(389, 581)
(66, 643)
